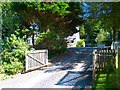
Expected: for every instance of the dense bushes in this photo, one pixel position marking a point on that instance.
(80, 43)
(13, 55)
(51, 41)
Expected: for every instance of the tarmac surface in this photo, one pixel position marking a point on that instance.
(69, 71)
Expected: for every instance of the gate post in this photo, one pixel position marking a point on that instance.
(26, 61)
(118, 57)
(94, 67)
(118, 67)
(46, 61)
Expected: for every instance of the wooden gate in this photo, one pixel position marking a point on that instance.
(36, 59)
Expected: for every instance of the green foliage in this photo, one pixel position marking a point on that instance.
(103, 36)
(13, 67)
(11, 21)
(63, 16)
(104, 81)
(92, 29)
(52, 41)
(13, 54)
(80, 43)
(97, 32)
(59, 7)
(5, 76)
(1, 70)
(107, 13)
(107, 80)
(82, 32)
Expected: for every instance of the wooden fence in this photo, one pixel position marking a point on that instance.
(104, 60)
(36, 59)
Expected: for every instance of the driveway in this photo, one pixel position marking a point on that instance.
(71, 70)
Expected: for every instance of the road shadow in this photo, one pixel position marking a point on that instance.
(76, 79)
(79, 80)
(68, 64)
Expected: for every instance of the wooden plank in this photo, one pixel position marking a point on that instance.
(36, 67)
(46, 55)
(94, 66)
(37, 51)
(105, 58)
(26, 63)
(35, 59)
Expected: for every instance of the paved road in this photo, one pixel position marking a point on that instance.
(72, 70)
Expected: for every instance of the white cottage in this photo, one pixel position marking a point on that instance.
(72, 40)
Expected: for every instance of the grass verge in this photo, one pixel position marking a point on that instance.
(106, 81)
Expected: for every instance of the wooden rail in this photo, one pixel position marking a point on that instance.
(104, 60)
(36, 59)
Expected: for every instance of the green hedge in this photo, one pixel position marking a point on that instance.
(13, 55)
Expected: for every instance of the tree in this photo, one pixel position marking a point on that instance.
(82, 32)
(107, 13)
(103, 37)
(13, 44)
(11, 21)
(63, 17)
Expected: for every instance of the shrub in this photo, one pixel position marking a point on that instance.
(51, 41)
(12, 68)
(80, 43)
(13, 54)
(1, 70)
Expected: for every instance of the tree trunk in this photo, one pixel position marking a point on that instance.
(114, 34)
(33, 40)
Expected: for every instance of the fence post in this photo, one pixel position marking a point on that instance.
(26, 61)
(94, 65)
(118, 57)
(118, 67)
(46, 57)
